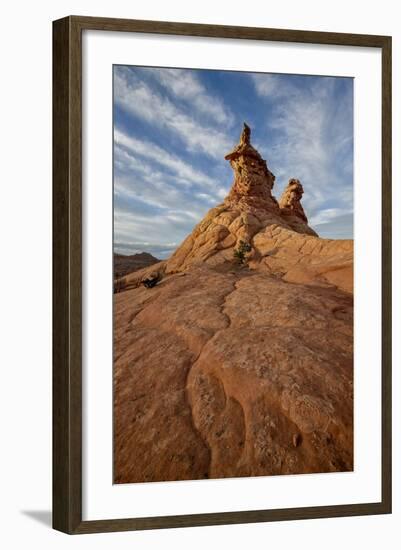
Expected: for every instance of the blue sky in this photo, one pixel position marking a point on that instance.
(172, 128)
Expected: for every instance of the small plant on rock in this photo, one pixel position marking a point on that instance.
(240, 253)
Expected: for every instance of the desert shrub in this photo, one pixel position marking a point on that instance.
(240, 253)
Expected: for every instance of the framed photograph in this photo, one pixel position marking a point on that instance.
(222, 274)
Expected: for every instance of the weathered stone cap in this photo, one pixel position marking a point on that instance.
(244, 146)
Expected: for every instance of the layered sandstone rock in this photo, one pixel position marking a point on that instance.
(231, 373)
(291, 208)
(253, 181)
(226, 370)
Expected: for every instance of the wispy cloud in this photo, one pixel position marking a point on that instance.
(328, 215)
(313, 124)
(183, 171)
(186, 86)
(339, 227)
(272, 85)
(141, 100)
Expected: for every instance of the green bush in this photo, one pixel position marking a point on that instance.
(241, 252)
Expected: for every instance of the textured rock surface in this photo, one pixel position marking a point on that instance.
(303, 258)
(225, 370)
(231, 373)
(291, 208)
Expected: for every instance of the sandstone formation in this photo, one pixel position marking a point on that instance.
(290, 205)
(226, 370)
(281, 240)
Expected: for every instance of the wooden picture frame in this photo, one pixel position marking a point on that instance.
(67, 274)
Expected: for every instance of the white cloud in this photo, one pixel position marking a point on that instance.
(185, 85)
(183, 171)
(265, 85)
(269, 85)
(205, 197)
(138, 98)
(340, 227)
(328, 215)
(222, 192)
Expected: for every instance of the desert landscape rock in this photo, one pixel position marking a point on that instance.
(228, 370)
(127, 264)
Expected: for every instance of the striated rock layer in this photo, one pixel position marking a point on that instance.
(226, 370)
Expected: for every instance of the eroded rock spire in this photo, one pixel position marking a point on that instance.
(253, 181)
(291, 210)
(245, 138)
(290, 201)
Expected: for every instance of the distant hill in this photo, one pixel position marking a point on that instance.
(127, 264)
